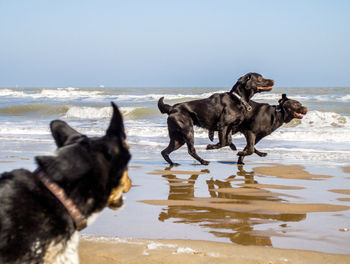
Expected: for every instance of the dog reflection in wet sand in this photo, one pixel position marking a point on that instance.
(237, 226)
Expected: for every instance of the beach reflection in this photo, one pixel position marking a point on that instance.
(238, 226)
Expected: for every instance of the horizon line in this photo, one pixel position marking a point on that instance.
(159, 87)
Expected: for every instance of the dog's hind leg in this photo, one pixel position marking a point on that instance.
(192, 151)
(173, 145)
(229, 140)
(259, 153)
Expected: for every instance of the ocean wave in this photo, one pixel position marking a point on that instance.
(10, 92)
(318, 119)
(76, 112)
(345, 98)
(67, 93)
(119, 95)
(261, 97)
(56, 93)
(169, 97)
(316, 126)
(33, 109)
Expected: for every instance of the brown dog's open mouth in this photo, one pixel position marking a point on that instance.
(298, 115)
(115, 200)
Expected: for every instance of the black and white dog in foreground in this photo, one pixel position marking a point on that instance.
(264, 119)
(41, 212)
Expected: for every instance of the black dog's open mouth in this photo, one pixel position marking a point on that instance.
(298, 115)
(267, 86)
(264, 88)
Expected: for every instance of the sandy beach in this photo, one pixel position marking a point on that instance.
(104, 250)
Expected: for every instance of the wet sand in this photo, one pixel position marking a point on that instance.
(104, 250)
(225, 212)
(346, 169)
(289, 172)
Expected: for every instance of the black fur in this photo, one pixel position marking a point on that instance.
(215, 113)
(264, 119)
(87, 169)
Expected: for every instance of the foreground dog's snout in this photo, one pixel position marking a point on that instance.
(115, 199)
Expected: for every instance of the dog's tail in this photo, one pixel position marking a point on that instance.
(164, 108)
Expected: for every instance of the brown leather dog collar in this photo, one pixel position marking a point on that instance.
(79, 220)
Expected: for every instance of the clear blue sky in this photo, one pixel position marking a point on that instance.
(149, 43)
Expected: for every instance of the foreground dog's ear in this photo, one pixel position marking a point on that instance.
(63, 133)
(116, 126)
(66, 166)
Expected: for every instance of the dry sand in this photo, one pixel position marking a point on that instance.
(103, 250)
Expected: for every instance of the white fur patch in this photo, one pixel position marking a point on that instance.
(63, 253)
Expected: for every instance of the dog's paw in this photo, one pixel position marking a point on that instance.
(240, 160)
(204, 162)
(241, 153)
(210, 146)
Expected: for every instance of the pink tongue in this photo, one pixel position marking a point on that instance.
(267, 88)
(299, 115)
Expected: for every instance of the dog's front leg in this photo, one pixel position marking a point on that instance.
(222, 136)
(249, 148)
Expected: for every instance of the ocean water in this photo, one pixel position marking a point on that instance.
(323, 134)
(320, 142)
